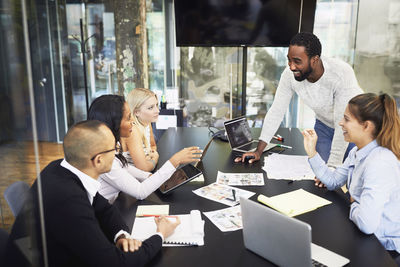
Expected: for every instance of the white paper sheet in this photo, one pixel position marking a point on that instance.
(289, 167)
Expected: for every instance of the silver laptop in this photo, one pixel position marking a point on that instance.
(283, 240)
(239, 136)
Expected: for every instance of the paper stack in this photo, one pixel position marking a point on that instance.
(289, 167)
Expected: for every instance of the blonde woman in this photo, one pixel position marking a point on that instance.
(140, 148)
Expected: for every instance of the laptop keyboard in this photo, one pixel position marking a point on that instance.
(249, 146)
(317, 263)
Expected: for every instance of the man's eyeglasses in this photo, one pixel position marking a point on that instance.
(117, 149)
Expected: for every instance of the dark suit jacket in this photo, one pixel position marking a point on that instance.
(77, 233)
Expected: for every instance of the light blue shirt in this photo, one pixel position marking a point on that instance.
(372, 175)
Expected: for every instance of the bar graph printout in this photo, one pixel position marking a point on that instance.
(224, 194)
(240, 179)
(229, 219)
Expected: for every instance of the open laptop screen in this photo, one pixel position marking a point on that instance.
(238, 132)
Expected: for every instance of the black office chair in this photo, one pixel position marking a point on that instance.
(15, 196)
(395, 256)
(3, 242)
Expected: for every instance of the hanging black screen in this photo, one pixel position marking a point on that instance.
(241, 22)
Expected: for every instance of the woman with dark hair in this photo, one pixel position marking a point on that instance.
(372, 169)
(115, 113)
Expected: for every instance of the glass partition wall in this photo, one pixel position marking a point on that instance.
(32, 116)
(42, 91)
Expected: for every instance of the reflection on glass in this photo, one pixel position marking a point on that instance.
(98, 53)
(210, 79)
(265, 66)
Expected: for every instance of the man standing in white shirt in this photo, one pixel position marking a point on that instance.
(325, 85)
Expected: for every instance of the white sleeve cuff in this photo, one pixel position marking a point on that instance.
(121, 232)
(168, 166)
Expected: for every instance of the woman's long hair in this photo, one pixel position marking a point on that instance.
(135, 100)
(382, 111)
(109, 109)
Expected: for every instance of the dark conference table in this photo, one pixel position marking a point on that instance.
(331, 227)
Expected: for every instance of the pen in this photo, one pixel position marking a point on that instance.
(152, 215)
(234, 194)
(284, 146)
(278, 138)
(231, 220)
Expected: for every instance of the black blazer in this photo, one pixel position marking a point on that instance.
(77, 233)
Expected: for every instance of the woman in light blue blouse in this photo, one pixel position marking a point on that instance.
(372, 169)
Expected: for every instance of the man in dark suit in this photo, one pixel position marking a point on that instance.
(80, 227)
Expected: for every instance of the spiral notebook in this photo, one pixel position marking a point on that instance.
(189, 233)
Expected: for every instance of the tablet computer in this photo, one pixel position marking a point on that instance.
(179, 177)
(185, 174)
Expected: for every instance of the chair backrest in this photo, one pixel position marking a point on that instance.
(15, 196)
(3, 243)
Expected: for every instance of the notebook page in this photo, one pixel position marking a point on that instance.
(152, 210)
(189, 232)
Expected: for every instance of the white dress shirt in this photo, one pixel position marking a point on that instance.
(91, 186)
(132, 180)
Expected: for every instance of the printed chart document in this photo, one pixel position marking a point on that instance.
(240, 179)
(189, 233)
(294, 203)
(276, 167)
(229, 219)
(224, 194)
(149, 210)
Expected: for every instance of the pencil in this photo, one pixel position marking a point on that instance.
(284, 146)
